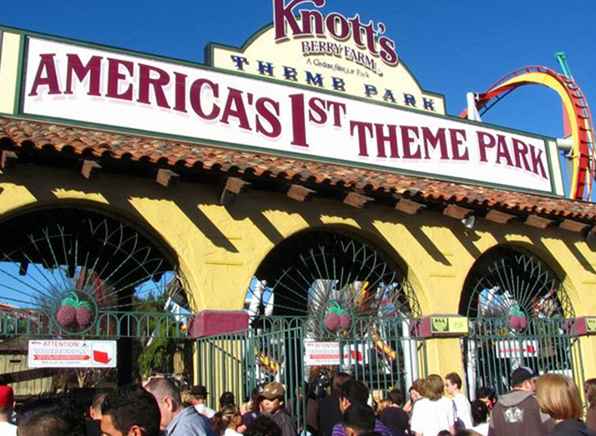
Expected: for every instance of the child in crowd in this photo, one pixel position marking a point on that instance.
(227, 421)
(417, 391)
(393, 416)
(480, 417)
(434, 412)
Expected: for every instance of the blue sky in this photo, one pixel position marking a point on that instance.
(450, 46)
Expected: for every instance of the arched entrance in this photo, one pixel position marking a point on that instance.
(73, 272)
(340, 289)
(517, 307)
(311, 269)
(323, 300)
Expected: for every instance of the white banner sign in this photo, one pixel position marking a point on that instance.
(91, 85)
(508, 349)
(328, 354)
(71, 354)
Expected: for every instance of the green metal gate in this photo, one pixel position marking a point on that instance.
(493, 351)
(242, 362)
(517, 306)
(380, 353)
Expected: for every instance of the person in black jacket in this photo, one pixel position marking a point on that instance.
(558, 396)
(328, 413)
(393, 416)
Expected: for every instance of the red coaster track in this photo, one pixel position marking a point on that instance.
(577, 113)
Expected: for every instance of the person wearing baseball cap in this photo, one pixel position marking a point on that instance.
(273, 406)
(518, 413)
(6, 407)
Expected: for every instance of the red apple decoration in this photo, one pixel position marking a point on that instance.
(345, 321)
(331, 321)
(84, 315)
(336, 318)
(514, 322)
(523, 323)
(74, 313)
(517, 318)
(66, 315)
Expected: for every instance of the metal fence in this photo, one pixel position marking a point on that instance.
(493, 350)
(379, 352)
(109, 324)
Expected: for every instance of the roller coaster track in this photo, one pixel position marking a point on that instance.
(576, 109)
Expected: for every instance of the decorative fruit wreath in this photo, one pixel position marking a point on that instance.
(337, 319)
(76, 312)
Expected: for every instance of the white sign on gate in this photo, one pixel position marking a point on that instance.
(328, 354)
(321, 353)
(71, 354)
(507, 349)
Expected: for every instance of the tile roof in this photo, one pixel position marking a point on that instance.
(98, 143)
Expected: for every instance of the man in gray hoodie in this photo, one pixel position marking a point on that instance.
(518, 413)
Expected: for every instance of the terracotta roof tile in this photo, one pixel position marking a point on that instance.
(100, 143)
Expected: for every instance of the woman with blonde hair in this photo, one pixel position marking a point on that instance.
(433, 413)
(558, 396)
(590, 392)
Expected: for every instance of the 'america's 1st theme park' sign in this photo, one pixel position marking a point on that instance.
(351, 113)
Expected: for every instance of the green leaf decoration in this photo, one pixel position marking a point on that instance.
(85, 305)
(72, 300)
(515, 310)
(335, 307)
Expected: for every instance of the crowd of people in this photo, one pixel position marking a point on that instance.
(546, 405)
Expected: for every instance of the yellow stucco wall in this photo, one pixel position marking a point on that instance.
(219, 248)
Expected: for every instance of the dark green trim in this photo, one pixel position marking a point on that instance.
(20, 84)
(553, 186)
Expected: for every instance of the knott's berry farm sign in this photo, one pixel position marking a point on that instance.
(328, 51)
(227, 105)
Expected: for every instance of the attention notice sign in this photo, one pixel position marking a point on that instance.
(70, 82)
(71, 354)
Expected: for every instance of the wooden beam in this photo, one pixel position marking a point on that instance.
(88, 167)
(299, 193)
(590, 235)
(408, 206)
(5, 158)
(498, 217)
(537, 222)
(457, 212)
(26, 375)
(164, 177)
(233, 187)
(356, 200)
(573, 226)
